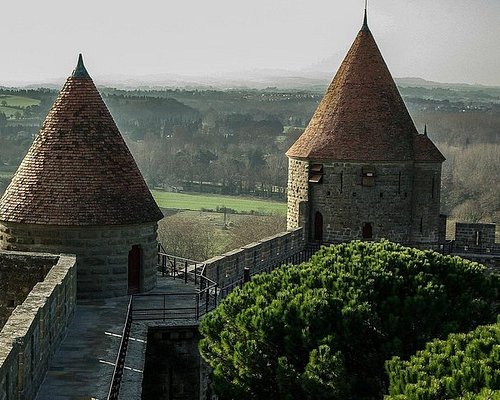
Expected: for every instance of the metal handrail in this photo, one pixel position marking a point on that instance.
(116, 379)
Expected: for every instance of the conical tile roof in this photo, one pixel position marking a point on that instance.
(362, 116)
(78, 170)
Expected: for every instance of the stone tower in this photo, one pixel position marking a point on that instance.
(78, 190)
(361, 170)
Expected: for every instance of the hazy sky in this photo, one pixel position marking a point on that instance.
(442, 40)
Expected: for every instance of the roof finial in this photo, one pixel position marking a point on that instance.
(425, 130)
(80, 71)
(365, 21)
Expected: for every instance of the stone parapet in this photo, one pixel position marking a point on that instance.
(475, 237)
(31, 335)
(19, 272)
(228, 268)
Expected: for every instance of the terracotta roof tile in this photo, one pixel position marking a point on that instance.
(426, 151)
(78, 170)
(362, 115)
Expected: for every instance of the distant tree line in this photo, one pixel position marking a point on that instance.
(234, 141)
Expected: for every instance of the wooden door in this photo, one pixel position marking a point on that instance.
(318, 226)
(134, 269)
(367, 231)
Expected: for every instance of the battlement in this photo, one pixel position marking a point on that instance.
(36, 326)
(475, 237)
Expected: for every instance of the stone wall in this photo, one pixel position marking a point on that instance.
(36, 327)
(18, 274)
(172, 367)
(102, 252)
(398, 201)
(228, 268)
(426, 204)
(476, 237)
(298, 194)
(491, 262)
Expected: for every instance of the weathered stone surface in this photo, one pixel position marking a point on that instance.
(33, 332)
(401, 203)
(228, 268)
(172, 368)
(101, 251)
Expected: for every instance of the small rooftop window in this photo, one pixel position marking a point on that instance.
(316, 173)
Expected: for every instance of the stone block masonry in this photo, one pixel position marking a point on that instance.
(476, 237)
(476, 242)
(33, 332)
(172, 368)
(228, 268)
(102, 252)
(337, 201)
(18, 274)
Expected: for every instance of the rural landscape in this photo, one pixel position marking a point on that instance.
(208, 152)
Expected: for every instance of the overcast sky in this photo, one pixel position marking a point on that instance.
(441, 40)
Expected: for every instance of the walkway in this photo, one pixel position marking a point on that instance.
(83, 365)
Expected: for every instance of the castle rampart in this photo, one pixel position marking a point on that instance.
(35, 328)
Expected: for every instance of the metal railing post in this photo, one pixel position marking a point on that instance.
(198, 306)
(164, 306)
(216, 288)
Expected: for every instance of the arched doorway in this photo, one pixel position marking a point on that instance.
(318, 226)
(367, 230)
(134, 269)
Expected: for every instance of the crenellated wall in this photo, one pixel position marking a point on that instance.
(35, 328)
(228, 268)
(476, 242)
(475, 237)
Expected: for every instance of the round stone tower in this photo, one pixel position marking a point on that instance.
(361, 170)
(78, 190)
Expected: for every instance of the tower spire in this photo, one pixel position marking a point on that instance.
(425, 130)
(365, 20)
(80, 71)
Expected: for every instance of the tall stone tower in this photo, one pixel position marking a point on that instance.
(78, 190)
(361, 170)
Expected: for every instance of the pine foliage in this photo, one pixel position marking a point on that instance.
(464, 366)
(323, 329)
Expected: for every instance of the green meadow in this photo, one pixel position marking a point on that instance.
(9, 105)
(198, 202)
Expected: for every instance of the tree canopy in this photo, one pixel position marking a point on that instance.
(323, 329)
(464, 366)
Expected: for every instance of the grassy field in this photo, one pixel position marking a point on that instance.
(19, 101)
(8, 111)
(195, 202)
(13, 103)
